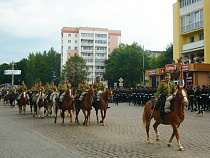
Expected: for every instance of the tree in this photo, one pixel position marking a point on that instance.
(42, 67)
(166, 57)
(126, 62)
(5, 78)
(75, 70)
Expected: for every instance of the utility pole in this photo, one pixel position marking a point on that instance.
(143, 67)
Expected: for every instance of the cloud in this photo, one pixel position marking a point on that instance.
(35, 25)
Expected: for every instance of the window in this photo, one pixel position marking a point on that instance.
(69, 41)
(69, 47)
(201, 36)
(101, 41)
(75, 35)
(69, 54)
(75, 48)
(87, 34)
(191, 39)
(109, 37)
(75, 41)
(109, 50)
(69, 35)
(101, 35)
(192, 21)
(109, 43)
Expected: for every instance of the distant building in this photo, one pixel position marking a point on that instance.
(155, 53)
(92, 44)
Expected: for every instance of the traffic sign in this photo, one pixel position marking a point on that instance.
(12, 72)
(121, 84)
(121, 80)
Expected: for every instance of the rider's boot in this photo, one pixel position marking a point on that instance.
(162, 116)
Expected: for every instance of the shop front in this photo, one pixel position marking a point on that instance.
(195, 74)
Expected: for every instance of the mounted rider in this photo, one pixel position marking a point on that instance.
(99, 90)
(82, 90)
(62, 87)
(53, 91)
(11, 90)
(22, 88)
(167, 89)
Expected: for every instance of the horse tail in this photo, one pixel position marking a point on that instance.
(144, 118)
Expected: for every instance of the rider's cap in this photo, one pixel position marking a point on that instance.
(98, 77)
(167, 74)
(52, 81)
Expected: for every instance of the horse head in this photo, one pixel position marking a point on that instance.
(182, 95)
(111, 94)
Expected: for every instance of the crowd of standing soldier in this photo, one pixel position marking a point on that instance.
(137, 96)
(199, 98)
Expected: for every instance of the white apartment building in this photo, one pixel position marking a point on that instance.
(92, 44)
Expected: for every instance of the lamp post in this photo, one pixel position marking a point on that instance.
(143, 67)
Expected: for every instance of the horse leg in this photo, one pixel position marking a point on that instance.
(77, 113)
(156, 131)
(85, 122)
(176, 133)
(24, 108)
(97, 115)
(63, 115)
(70, 117)
(56, 112)
(42, 112)
(102, 116)
(88, 116)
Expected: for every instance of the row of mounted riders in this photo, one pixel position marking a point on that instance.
(43, 103)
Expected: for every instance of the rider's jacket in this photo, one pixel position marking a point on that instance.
(99, 86)
(166, 87)
(83, 87)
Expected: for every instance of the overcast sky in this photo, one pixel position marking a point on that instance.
(28, 26)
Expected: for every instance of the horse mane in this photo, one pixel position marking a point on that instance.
(178, 106)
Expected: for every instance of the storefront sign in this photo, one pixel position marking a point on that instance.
(162, 71)
(184, 68)
(152, 72)
(171, 68)
(189, 77)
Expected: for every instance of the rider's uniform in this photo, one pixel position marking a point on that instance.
(100, 88)
(82, 89)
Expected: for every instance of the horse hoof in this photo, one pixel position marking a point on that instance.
(150, 142)
(103, 124)
(63, 124)
(33, 115)
(181, 149)
(42, 117)
(169, 145)
(158, 140)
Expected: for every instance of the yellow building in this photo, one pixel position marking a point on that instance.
(191, 44)
(191, 30)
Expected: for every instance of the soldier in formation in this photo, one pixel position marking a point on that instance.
(99, 90)
(82, 90)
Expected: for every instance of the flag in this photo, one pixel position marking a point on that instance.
(181, 78)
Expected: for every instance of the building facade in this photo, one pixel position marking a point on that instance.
(92, 44)
(191, 31)
(191, 45)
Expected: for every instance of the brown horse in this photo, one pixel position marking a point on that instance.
(22, 102)
(40, 104)
(174, 118)
(103, 104)
(65, 105)
(86, 105)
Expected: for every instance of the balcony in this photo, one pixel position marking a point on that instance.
(193, 46)
(191, 8)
